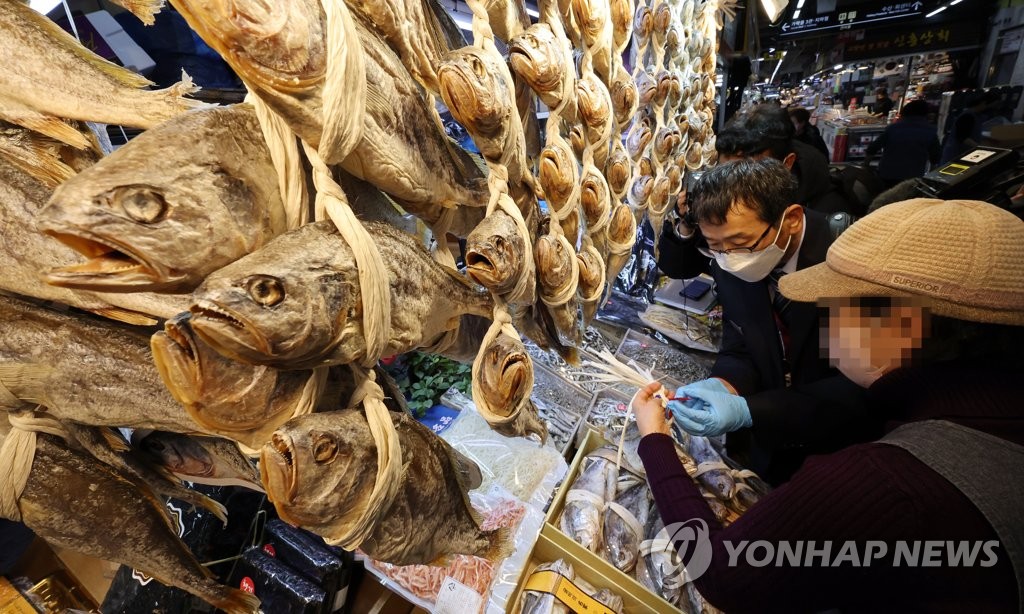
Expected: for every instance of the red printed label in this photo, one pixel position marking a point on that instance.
(269, 549)
(247, 585)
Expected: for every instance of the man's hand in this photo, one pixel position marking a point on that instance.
(650, 415)
(709, 409)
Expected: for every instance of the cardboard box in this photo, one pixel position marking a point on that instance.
(589, 565)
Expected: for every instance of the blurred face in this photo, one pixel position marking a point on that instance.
(868, 338)
(797, 124)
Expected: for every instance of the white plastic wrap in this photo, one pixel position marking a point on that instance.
(529, 471)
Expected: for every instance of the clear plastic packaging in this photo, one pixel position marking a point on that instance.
(492, 582)
(527, 470)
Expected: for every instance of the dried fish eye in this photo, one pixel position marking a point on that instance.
(478, 67)
(142, 204)
(265, 290)
(325, 448)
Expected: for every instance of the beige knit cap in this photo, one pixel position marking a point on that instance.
(965, 257)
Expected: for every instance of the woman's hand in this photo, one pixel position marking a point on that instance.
(649, 412)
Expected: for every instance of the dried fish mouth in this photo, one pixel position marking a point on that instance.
(278, 470)
(543, 74)
(464, 96)
(482, 268)
(176, 357)
(181, 339)
(226, 330)
(111, 266)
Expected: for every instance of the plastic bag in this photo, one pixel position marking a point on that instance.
(490, 583)
(521, 466)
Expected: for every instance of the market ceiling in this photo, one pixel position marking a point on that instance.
(831, 20)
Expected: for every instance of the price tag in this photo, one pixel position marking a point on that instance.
(456, 598)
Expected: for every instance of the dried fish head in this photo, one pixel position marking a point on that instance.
(640, 191)
(639, 136)
(594, 104)
(619, 169)
(625, 97)
(318, 468)
(478, 97)
(537, 56)
(220, 394)
(660, 194)
(559, 173)
(495, 253)
(666, 142)
(208, 460)
(578, 140)
(646, 86)
(643, 25)
(554, 263)
(675, 92)
(673, 41)
(664, 84)
(622, 12)
(279, 302)
(506, 374)
(595, 197)
(172, 206)
(622, 226)
(675, 178)
(662, 12)
(178, 453)
(645, 166)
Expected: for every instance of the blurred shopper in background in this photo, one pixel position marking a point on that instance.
(907, 146)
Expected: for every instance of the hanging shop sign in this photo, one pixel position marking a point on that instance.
(867, 44)
(842, 18)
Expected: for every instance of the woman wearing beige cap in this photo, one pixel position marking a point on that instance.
(926, 310)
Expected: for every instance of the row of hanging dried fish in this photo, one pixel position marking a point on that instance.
(262, 233)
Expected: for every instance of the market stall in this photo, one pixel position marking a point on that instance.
(242, 342)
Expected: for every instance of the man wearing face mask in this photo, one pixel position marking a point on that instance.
(770, 386)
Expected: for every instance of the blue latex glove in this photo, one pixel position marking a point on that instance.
(710, 409)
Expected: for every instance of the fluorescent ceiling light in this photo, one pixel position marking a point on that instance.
(774, 8)
(532, 13)
(955, 2)
(837, 67)
(936, 12)
(796, 14)
(44, 6)
(800, 4)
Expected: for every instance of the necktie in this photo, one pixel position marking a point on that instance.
(779, 306)
(779, 302)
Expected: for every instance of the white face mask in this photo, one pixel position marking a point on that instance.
(754, 266)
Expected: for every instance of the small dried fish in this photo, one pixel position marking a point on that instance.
(619, 170)
(622, 532)
(585, 501)
(203, 460)
(537, 55)
(558, 276)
